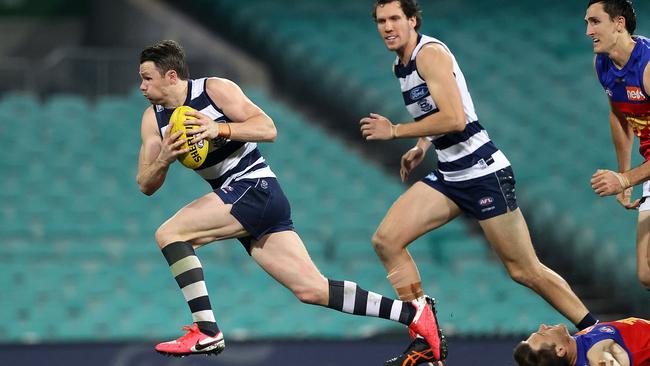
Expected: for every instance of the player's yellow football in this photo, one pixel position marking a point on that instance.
(198, 151)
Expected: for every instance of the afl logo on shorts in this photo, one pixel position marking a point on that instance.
(264, 184)
(607, 329)
(486, 201)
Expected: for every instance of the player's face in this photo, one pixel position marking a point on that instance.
(603, 31)
(393, 25)
(553, 334)
(153, 85)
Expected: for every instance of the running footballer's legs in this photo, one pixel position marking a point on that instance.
(642, 248)
(204, 220)
(283, 256)
(419, 210)
(508, 234)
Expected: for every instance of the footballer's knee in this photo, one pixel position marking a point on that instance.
(385, 246)
(529, 276)
(314, 292)
(311, 295)
(166, 235)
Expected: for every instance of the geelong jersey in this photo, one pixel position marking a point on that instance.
(227, 160)
(626, 91)
(461, 155)
(633, 334)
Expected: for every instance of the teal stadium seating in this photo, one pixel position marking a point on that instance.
(78, 256)
(80, 261)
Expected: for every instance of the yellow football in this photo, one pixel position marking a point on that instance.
(198, 151)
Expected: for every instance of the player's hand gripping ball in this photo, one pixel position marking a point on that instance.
(197, 151)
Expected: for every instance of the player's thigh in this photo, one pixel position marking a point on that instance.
(642, 244)
(417, 211)
(284, 256)
(204, 220)
(509, 236)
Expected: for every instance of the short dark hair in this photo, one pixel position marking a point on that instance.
(409, 7)
(617, 8)
(167, 55)
(545, 356)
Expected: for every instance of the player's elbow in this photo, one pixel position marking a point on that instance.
(273, 133)
(270, 132)
(145, 188)
(457, 123)
(147, 192)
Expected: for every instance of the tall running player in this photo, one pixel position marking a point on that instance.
(620, 343)
(621, 64)
(245, 202)
(473, 175)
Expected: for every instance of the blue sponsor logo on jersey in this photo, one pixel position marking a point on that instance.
(418, 92)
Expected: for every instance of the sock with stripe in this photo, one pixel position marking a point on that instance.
(188, 272)
(349, 298)
(587, 322)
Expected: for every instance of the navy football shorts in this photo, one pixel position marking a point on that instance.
(259, 205)
(482, 198)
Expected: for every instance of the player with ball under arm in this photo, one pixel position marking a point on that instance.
(246, 201)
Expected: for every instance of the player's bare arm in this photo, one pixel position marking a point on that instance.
(609, 353)
(435, 65)
(251, 124)
(156, 154)
(412, 158)
(606, 182)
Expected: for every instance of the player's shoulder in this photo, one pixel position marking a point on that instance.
(216, 83)
(433, 49)
(148, 113)
(149, 124)
(433, 56)
(221, 88)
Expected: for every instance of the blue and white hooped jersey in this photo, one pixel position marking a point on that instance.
(227, 160)
(461, 155)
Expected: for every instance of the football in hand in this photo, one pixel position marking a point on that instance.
(197, 153)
